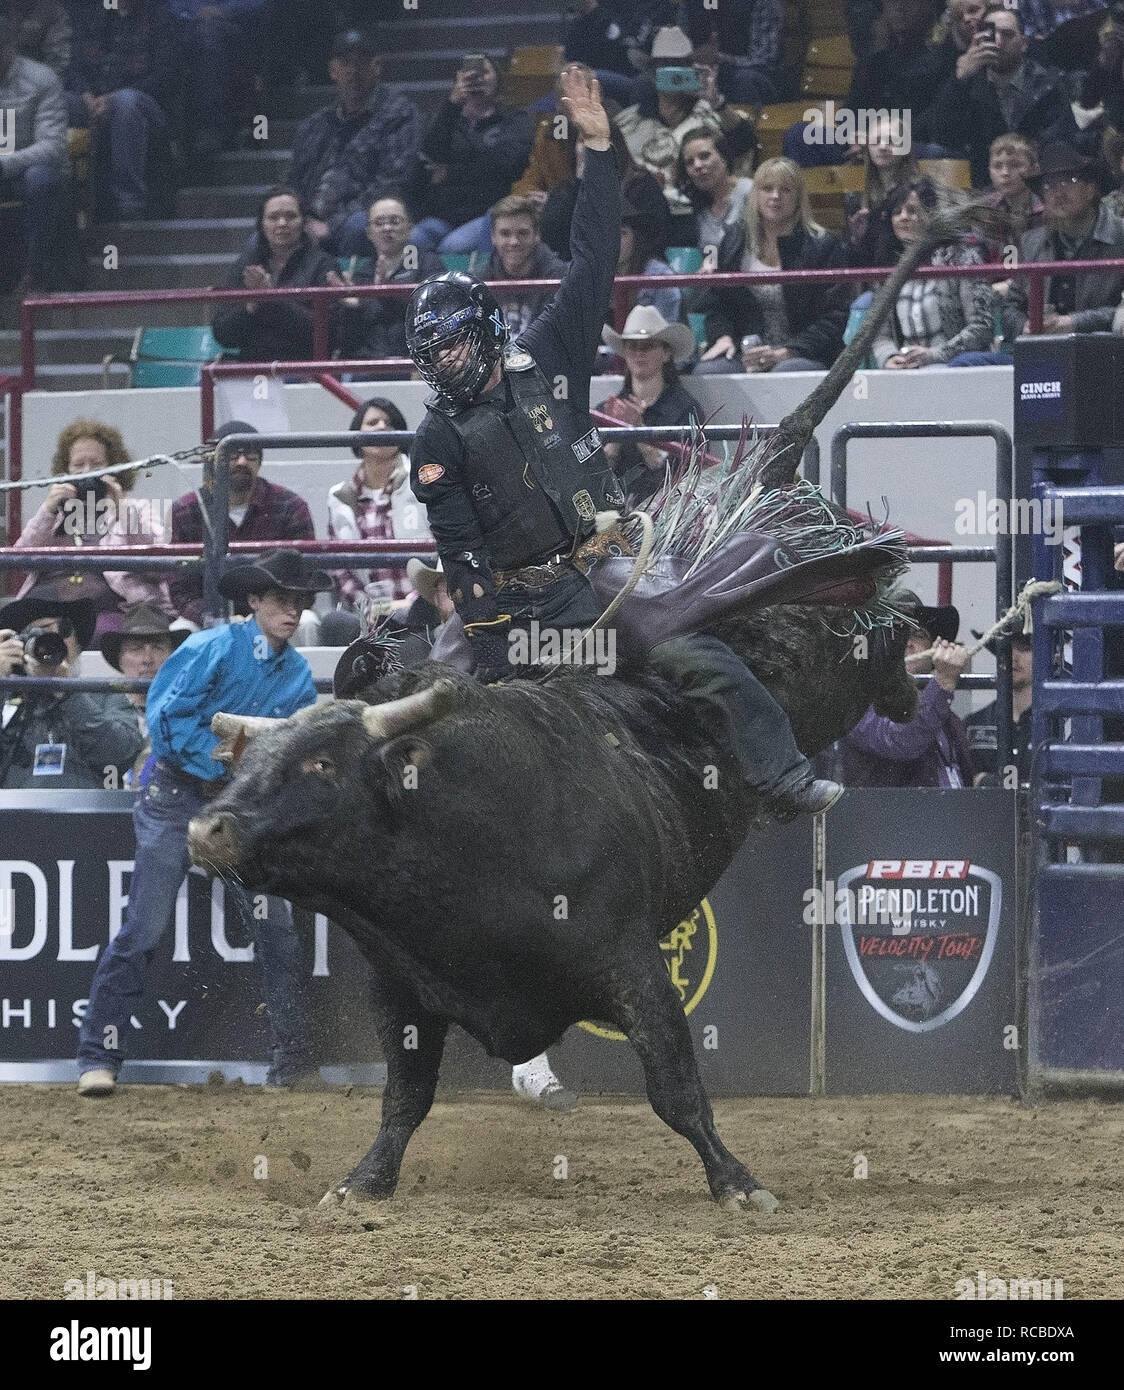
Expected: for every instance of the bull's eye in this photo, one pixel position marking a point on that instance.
(321, 765)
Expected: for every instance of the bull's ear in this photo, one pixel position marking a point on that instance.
(405, 760)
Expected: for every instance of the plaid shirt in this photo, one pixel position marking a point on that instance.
(374, 517)
(274, 514)
(341, 164)
(1041, 17)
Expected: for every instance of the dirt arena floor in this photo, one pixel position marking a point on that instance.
(159, 1182)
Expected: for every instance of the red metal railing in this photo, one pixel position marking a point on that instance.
(321, 296)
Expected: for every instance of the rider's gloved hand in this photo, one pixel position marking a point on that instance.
(490, 656)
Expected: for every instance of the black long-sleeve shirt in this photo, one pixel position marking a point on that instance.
(563, 340)
(483, 160)
(278, 330)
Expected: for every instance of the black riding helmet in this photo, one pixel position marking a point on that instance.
(445, 313)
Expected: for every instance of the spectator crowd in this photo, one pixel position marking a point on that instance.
(1027, 98)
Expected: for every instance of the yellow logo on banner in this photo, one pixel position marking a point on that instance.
(691, 952)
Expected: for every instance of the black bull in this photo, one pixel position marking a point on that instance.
(508, 858)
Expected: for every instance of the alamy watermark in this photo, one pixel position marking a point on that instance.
(869, 125)
(566, 646)
(132, 516)
(985, 1286)
(1016, 516)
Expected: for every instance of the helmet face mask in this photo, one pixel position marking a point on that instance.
(455, 333)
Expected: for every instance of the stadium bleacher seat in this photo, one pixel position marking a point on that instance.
(532, 73)
(825, 18)
(828, 66)
(957, 173)
(827, 186)
(773, 121)
(169, 356)
(684, 259)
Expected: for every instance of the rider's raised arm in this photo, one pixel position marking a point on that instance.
(569, 329)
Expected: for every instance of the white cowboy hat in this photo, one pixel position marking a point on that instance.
(671, 42)
(646, 323)
(424, 578)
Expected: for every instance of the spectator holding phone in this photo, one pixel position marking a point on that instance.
(680, 100)
(471, 155)
(997, 89)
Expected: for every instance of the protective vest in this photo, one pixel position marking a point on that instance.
(534, 478)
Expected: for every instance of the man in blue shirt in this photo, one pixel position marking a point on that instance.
(245, 668)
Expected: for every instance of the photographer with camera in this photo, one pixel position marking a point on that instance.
(98, 511)
(679, 97)
(52, 740)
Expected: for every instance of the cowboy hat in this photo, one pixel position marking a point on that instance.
(646, 324)
(671, 44)
(55, 598)
(141, 620)
(425, 578)
(1062, 158)
(281, 569)
(943, 622)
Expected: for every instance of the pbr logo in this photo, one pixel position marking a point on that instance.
(936, 922)
(690, 953)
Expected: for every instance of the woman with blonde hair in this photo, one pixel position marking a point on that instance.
(787, 327)
(98, 512)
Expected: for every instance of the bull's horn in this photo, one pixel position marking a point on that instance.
(230, 725)
(410, 712)
(234, 730)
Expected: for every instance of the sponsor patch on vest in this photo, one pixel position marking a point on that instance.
(430, 472)
(540, 418)
(585, 447)
(583, 502)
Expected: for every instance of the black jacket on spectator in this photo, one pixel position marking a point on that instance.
(342, 164)
(907, 75)
(673, 406)
(98, 731)
(748, 29)
(112, 51)
(376, 326)
(640, 193)
(598, 38)
(967, 116)
(278, 330)
(817, 314)
(483, 161)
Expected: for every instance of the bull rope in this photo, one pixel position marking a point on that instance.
(1005, 627)
(638, 567)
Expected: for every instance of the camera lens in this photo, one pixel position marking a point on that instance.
(47, 648)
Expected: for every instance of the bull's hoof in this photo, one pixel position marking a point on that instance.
(758, 1199)
(351, 1194)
